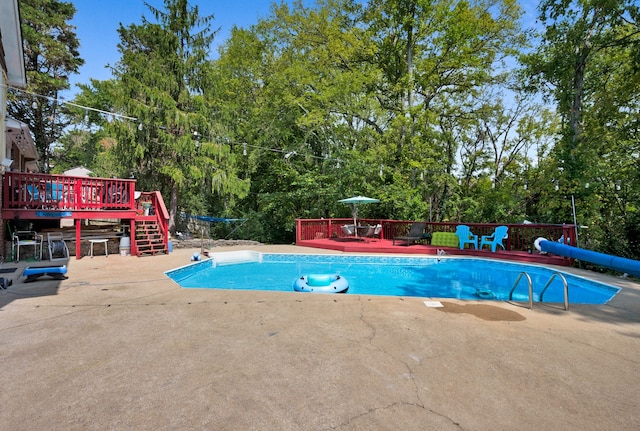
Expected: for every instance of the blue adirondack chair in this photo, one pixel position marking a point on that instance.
(33, 193)
(495, 239)
(466, 237)
(53, 191)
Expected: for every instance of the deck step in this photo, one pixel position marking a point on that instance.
(149, 239)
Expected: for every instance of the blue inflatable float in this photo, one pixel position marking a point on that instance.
(321, 283)
(35, 272)
(622, 264)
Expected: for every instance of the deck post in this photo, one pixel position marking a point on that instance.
(132, 236)
(78, 235)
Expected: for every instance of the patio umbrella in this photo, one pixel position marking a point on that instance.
(353, 202)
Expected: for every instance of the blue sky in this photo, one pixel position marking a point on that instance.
(97, 22)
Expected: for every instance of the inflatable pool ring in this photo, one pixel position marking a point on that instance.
(321, 283)
(537, 242)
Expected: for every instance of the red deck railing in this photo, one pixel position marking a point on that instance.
(61, 192)
(521, 236)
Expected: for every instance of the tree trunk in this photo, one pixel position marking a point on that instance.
(578, 96)
(410, 73)
(582, 56)
(173, 206)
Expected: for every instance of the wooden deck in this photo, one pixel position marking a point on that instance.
(46, 198)
(386, 246)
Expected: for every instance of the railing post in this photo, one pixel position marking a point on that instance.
(78, 236)
(132, 238)
(132, 195)
(298, 230)
(77, 194)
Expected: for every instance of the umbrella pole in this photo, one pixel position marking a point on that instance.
(352, 202)
(354, 211)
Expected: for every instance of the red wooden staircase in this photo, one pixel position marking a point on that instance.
(150, 233)
(149, 238)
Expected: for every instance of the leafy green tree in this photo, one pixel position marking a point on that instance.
(587, 61)
(51, 56)
(368, 99)
(575, 34)
(496, 147)
(403, 100)
(436, 59)
(296, 85)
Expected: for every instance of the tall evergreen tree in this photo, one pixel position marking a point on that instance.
(174, 145)
(51, 55)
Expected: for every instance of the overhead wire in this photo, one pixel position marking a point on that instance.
(287, 153)
(77, 105)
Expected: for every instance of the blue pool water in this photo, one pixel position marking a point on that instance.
(429, 277)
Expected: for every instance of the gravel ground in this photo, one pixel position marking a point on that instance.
(197, 243)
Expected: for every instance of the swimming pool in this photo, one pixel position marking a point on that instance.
(431, 277)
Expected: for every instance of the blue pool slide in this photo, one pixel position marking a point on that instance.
(617, 263)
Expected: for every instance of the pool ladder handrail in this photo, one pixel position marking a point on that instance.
(565, 285)
(530, 288)
(564, 282)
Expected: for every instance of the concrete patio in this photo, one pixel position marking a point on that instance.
(118, 346)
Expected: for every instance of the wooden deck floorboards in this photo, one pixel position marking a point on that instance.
(349, 245)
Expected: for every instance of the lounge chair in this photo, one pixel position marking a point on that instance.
(416, 233)
(495, 239)
(466, 237)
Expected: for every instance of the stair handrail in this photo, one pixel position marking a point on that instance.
(565, 285)
(162, 216)
(530, 288)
